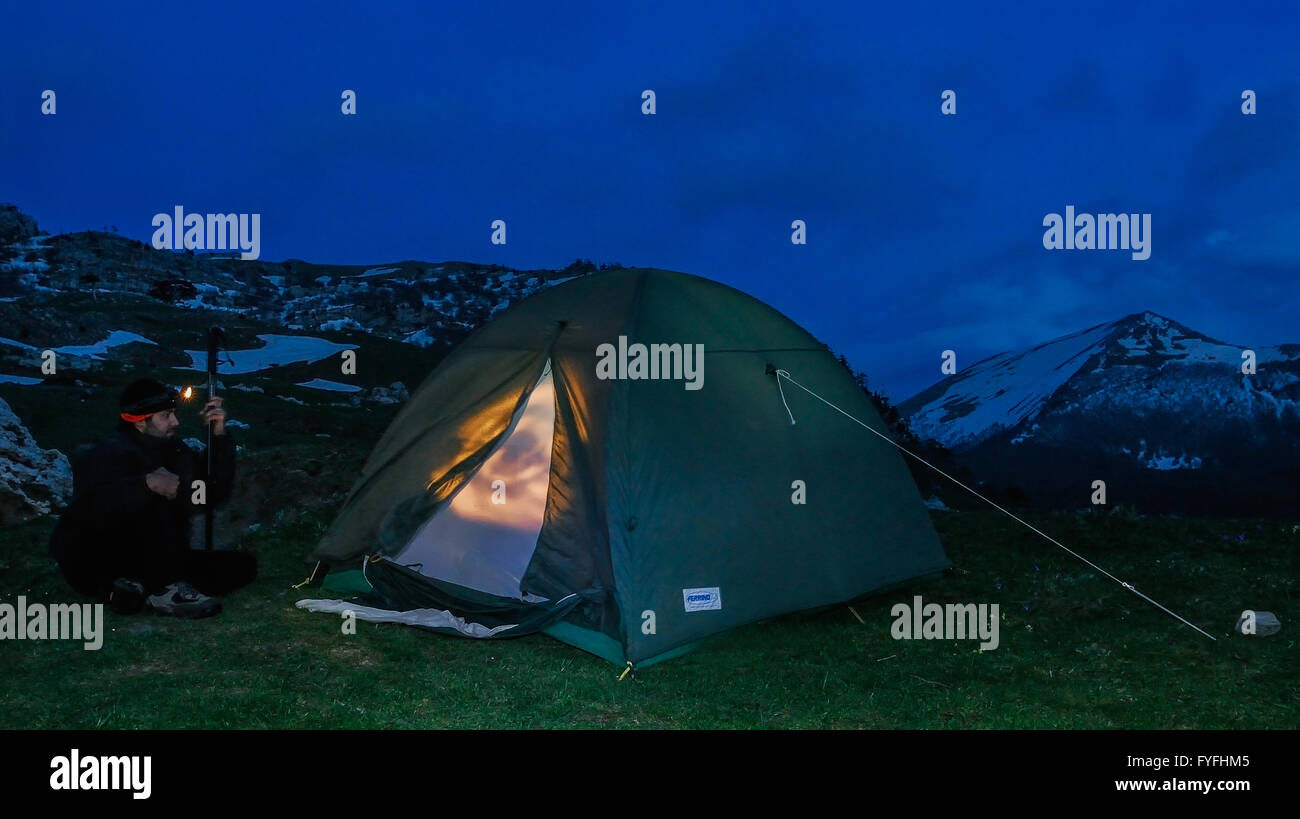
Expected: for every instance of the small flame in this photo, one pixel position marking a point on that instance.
(187, 393)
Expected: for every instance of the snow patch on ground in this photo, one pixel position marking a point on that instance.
(279, 350)
(1280, 405)
(342, 324)
(205, 290)
(1024, 436)
(419, 338)
(6, 378)
(197, 303)
(1165, 463)
(117, 338)
(332, 386)
(20, 264)
(31, 282)
(1267, 354)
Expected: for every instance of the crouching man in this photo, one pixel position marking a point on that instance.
(125, 536)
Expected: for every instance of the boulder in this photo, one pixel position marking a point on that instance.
(395, 393)
(1258, 623)
(16, 226)
(33, 481)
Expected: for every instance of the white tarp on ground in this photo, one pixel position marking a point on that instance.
(433, 618)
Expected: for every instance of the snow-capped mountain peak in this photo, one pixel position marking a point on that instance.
(1010, 389)
(1166, 415)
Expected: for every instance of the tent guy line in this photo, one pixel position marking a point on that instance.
(786, 375)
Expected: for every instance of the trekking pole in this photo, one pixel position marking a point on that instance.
(216, 339)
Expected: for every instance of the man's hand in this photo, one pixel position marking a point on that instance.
(163, 482)
(213, 412)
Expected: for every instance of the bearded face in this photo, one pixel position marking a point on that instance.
(160, 424)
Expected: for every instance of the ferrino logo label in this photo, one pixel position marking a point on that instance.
(651, 361)
(702, 599)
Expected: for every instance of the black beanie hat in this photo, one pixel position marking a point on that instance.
(145, 396)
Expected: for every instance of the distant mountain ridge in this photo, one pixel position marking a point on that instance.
(1162, 409)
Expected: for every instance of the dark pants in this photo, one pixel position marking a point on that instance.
(92, 569)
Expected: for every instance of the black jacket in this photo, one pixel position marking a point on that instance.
(113, 505)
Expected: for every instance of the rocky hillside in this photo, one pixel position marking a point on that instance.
(420, 303)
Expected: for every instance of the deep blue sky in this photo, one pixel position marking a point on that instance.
(925, 231)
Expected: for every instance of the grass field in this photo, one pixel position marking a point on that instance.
(1076, 650)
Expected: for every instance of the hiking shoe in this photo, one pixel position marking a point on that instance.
(126, 596)
(183, 600)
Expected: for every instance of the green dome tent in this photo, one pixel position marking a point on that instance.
(612, 461)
